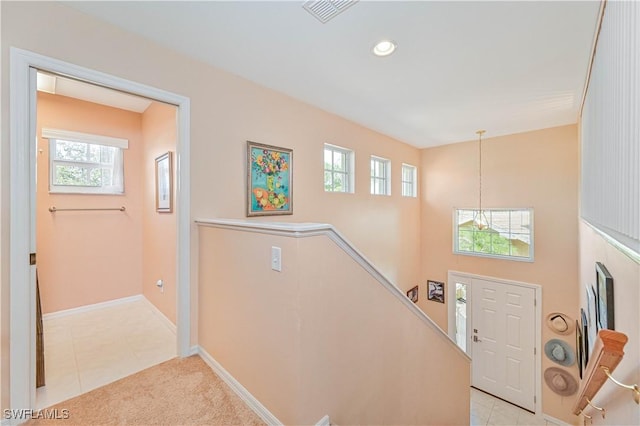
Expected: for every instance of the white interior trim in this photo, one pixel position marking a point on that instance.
(238, 389)
(92, 307)
(22, 237)
(630, 253)
(160, 315)
(555, 421)
(68, 135)
(109, 303)
(468, 277)
(303, 230)
(325, 421)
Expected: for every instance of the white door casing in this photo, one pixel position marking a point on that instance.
(503, 341)
(511, 306)
(22, 230)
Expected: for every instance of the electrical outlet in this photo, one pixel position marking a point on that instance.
(276, 259)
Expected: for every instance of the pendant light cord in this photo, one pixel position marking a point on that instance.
(480, 133)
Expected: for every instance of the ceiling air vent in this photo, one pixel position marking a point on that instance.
(325, 10)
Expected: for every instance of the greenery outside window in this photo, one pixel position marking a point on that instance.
(338, 169)
(500, 233)
(84, 165)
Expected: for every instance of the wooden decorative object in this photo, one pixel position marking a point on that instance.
(607, 352)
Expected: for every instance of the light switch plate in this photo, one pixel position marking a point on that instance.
(276, 259)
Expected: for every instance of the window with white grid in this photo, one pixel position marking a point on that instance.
(409, 180)
(338, 169)
(380, 176)
(85, 164)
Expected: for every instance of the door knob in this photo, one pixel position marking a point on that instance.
(475, 339)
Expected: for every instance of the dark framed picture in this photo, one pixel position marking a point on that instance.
(604, 283)
(579, 347)
(413, 294)
(584, 328)
(592, 314)
(164, 182)
(269, 180)
(435, 291)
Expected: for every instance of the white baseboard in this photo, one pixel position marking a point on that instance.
(240, 390)
(555, 421)
(162, 316)
(324, 421)
(93, 307)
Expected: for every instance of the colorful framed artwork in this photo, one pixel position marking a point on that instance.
(164, 183)
(604, 284)
(269, 180)
(436, 291)
(413, 294)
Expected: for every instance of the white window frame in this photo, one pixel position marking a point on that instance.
(349, 168)
(385, 178)
(456, 249)
(55, 135)
(413, 182)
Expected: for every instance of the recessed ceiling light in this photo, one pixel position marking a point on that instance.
(384, 48)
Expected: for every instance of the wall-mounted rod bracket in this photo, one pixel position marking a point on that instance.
(633, 388)
(602, 410)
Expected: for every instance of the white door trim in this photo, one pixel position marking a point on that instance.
(451, 294)
(22, 237)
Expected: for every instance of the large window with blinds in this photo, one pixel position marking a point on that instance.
(610, 172)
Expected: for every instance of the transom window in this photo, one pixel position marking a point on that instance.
(81, 163)
(338, 169)
(409, 179)
(380, 176)
(506, 233)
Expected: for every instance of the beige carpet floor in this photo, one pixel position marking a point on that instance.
(177, 392)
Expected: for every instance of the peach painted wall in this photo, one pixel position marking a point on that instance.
(621, 409)
(226, 111)
(94, 256)
(330, 338)
(159, 229)
(536, 169)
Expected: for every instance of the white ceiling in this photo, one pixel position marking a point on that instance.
(71, 88)
(507, 67)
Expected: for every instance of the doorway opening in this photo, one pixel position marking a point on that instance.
(497, 323)
(101, 244)
(22, 284)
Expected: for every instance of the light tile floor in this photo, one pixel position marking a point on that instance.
(487, 410)
(86, 350)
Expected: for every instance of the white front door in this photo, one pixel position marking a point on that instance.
(503, 339)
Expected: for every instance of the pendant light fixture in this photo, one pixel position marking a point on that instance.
(479, 217)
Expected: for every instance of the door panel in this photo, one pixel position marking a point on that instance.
(504, 339)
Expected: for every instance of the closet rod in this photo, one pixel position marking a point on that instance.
(54, 209)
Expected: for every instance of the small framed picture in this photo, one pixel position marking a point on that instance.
(579, 347)
(605, 297)
(584, 324)
(413, 294)
(436, 291)
(592, 316)
(164, 183)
